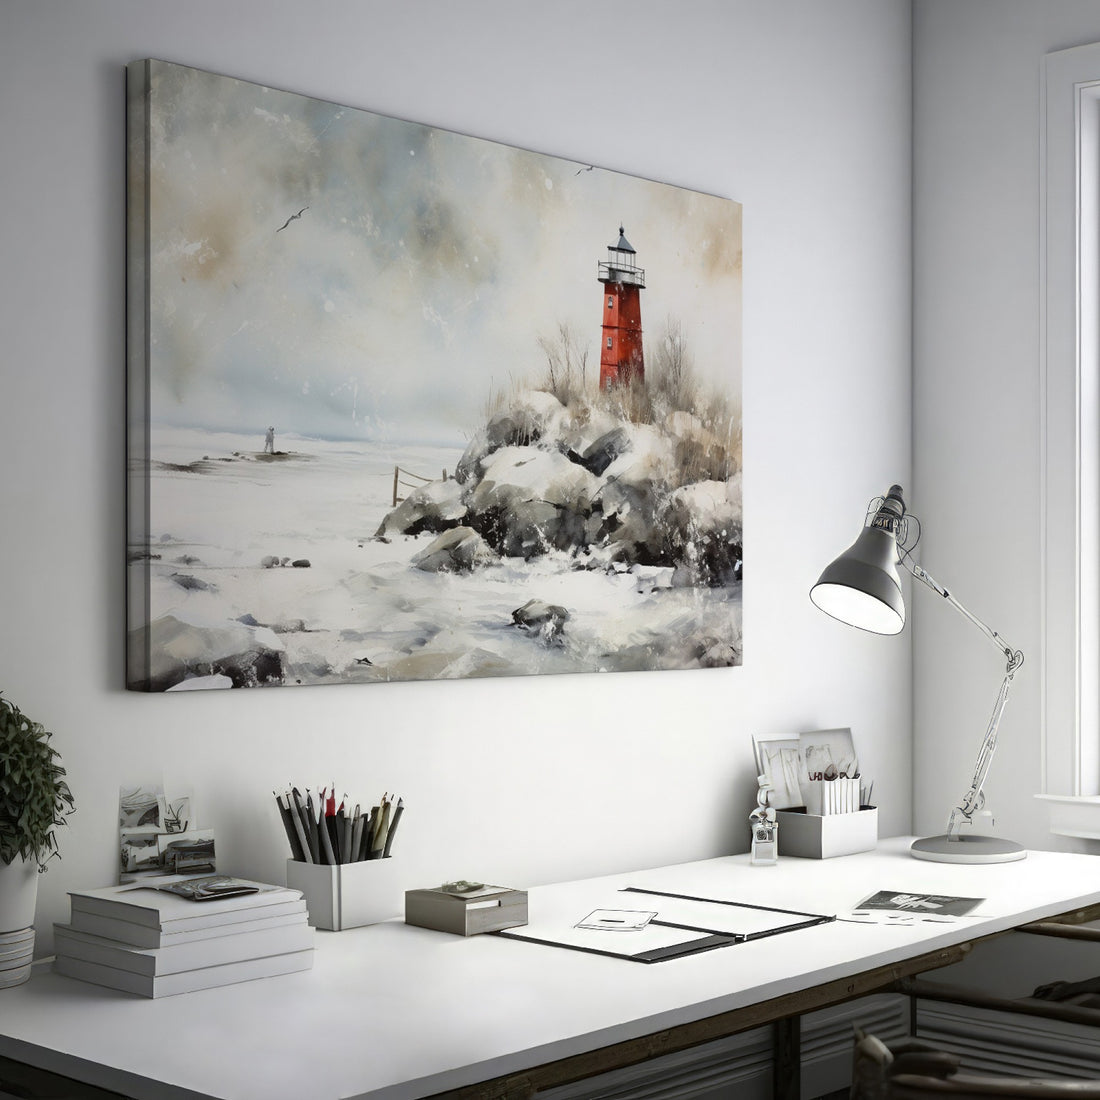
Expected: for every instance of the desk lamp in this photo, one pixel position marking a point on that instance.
(862, 588)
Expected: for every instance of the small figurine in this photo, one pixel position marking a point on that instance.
(765, 828)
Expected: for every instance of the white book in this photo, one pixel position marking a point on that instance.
(184, 956)
(144, 903)
(140, 935)
(168, 985)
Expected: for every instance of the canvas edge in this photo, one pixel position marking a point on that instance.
(137, 375)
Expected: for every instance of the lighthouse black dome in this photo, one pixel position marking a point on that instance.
(623, 245)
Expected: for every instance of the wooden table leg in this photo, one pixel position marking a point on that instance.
(787, 1058)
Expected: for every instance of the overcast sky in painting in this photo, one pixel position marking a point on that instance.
(419, 278)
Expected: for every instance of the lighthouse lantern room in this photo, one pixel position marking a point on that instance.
(621, 360)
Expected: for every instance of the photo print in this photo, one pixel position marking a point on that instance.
(157, 835)
(140, 808)
(780, 761)
(139, 852)
(187, 853)
(828, 754)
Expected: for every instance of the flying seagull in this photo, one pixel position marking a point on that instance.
(293, 217)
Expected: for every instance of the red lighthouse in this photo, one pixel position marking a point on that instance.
(621, 348)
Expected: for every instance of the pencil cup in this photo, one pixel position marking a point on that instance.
(349, 895)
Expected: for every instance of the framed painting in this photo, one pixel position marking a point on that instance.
(406, 404)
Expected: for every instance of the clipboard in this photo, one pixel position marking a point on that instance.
(685, 925)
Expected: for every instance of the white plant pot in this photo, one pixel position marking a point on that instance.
(18, 894)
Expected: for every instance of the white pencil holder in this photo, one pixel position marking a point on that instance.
(821, 836)
(349, 895)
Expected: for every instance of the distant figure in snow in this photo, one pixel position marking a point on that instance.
(269, 442)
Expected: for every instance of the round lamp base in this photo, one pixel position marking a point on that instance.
(967, 849)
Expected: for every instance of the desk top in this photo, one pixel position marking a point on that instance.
(393, 1012)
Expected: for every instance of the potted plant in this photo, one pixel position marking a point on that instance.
(34, 800)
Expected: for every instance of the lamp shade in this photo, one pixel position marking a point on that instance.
(862, 587)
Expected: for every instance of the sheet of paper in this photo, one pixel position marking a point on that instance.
(617, 920)
(898, 907)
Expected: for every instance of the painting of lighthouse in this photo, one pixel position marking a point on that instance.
(622, 354)
(406, 404)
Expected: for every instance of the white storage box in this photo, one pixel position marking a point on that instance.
(348, 895)
(817, 837)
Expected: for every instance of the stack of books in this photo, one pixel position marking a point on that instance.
(145, 939)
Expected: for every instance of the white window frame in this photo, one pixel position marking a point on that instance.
(1070, 422)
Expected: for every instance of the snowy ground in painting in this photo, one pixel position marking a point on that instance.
(218, 509)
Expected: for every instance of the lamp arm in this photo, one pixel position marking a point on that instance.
(974, 799)
(1013, 656)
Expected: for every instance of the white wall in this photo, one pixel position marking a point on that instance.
(800, 110)
(976, 412)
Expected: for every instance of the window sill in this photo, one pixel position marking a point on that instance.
(1073, 815)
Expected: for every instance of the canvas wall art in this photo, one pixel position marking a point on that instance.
(406, 404)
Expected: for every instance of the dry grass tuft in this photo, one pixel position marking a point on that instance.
(710, 445)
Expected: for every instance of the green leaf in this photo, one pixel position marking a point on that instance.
(34, 796)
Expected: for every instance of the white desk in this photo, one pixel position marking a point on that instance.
(392, 1012)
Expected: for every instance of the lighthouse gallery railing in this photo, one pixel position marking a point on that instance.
(616, 273)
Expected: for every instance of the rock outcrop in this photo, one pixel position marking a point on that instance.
(541, 477)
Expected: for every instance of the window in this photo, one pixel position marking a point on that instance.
(1070, 367)
(610, 302)
(609, 341)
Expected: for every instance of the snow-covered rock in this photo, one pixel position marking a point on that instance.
(702, 524)
(601, 452)
(541, 619)
(190, 583)
(626, 521)
(650, 460)
(434, 507)
(459, 550)
(468, 468)
(529, 501)
(527, 473)
(179, 649)
(531, 416)
(712, 505)
(583, 425)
